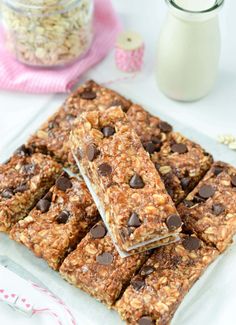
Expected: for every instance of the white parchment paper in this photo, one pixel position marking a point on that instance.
(211, 301)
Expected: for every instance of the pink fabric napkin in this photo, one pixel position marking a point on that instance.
(17, 77)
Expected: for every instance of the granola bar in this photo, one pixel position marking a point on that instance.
(137, 207)
(97, 268)
(210, 210)
(24, 179)
(52, 136)
(161, 284)
(58, 222)
(180, 162)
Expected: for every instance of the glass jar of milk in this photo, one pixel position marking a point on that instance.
(189, 49)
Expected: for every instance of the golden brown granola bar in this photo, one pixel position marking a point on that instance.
(157, 290)
(58, 222)
(210, 209)
(52, 136)
(137, 206)
(24, 179)
(180, 162)
(97, 268)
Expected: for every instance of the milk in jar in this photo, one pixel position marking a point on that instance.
(189, 49)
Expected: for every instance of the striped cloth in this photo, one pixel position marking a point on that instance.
(17, 77)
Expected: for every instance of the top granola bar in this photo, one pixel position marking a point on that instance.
(137, 206)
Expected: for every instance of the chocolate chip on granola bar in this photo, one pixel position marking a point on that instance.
(105, 258)
(88, 94)
(191, 243)
(43, 205)
(91, 151)
(217, 209)
(165, 127)
(146, 270)
(118, 102)
(48, 196)
(173, 222)
(150, 147)
(137, 284)
(98, 231)
(136, 182)
(104, 169)
(145, 320)
(179, 148)
(233, 180)
(108, 131)
(63, 183)
(206, 191)
(185, 181)
(217, 170)
(63, 217)
(7, 193)
(22, 151)
(21, 188)
(134, 220)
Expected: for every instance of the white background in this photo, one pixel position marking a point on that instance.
(212, 115)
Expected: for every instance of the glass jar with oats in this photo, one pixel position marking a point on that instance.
(48, 33)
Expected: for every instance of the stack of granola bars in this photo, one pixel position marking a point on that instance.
(154, 187)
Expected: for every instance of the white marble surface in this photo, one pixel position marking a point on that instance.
(212, 115)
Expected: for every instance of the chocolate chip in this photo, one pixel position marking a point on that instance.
(104, 169)
(118, 102)
(179, 148)
(29, 169)
(105, 258)
(108, 131)
(173, 222)
(48, 196)
(165, 127)
(150, 147)
(63, 217)
(233, 180)
(217, 209)
(7, 193)
(21, 188)
(185, 181)
(156, 140)
(43, 205)
(191, 243)
(145, 320)
(134, 220)
(22, 151)
(217, 170)
(137, 284)
(136, 181)
(98, 231)
(188, 203)
(88, 94)
(146, 270)
(63, 183)
(206, 191)
(91, 152)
